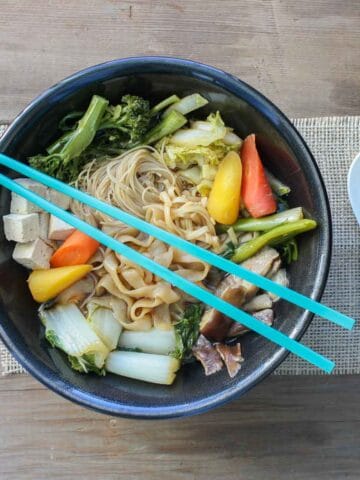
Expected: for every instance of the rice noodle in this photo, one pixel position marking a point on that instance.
(140, 183)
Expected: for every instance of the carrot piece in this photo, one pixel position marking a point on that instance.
(255, 189)
(76, 250)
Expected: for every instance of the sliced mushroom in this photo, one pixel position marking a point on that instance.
(281, 278)
(207, 355)
(77, 292)
(260, 263)
(266, 316)
(260, 302)
(215, 325)
(231, 356)
(274, 268)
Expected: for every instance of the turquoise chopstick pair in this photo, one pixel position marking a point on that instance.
(176, 280)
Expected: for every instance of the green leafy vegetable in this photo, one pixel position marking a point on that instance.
(187, 331)
(64, 163)
(289, 251)
(229, 250)
(203, 144)
(67, 329)
(88, 363)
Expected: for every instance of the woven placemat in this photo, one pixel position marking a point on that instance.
(334, 142)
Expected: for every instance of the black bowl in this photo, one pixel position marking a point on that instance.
(283, 150)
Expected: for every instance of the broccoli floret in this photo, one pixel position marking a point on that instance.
(126, 123)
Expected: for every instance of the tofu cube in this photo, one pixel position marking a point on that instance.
(21, 228)
(58, 198)
(20, 204)
(58, 229)
(44, 218)
(33, 255)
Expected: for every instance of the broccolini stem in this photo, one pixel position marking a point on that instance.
(165, 103)
(85, 132)
(165, 127)
(57, 146)
(264, 223)
(273, 237)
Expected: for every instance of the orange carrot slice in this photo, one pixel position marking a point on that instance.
(256, 192)
(76, 250)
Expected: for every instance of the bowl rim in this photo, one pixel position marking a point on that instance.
(230, 83)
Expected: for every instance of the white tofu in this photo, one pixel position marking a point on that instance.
(21, 228)
(61, 200)
(44, 218)
(33, 255)
(58, 229)
(20, 204)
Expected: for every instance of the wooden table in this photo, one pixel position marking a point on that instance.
(305, 57)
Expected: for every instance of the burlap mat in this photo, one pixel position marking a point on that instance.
(334, 141)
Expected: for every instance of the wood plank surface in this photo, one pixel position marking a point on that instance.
(287, 428)
(304, 55)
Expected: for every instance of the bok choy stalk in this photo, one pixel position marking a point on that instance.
(147, 367)
(103, 322)
(162, 342)
(274, 237)
(264, 223)
(187, 104)
(66, 328)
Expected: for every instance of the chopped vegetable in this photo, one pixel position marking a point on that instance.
(202, 177)
(164, 103)
(277, 186)
(187, 331)
(46, 284)
(274, 237)
(66, 328)
(77, 249)
(166, 126)
(148, 367)
(255, 191)
(224, 198)
(162, 342)
(64, 164)
(195, 137)
(263, 224)
(105, 325)
(187, 104)
(289, 251)
(205, 143)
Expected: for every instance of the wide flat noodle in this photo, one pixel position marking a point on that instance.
(140, 183)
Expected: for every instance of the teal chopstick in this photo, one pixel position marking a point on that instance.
(227, 266)
(190, 288)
